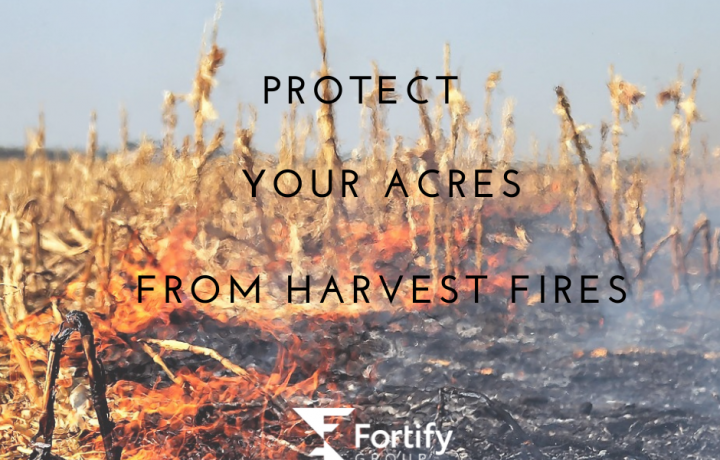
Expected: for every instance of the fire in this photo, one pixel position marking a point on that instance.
(216, 379)
(599, 353)
(658, 298)
(170, 420)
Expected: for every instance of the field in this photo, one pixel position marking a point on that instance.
(194, 380)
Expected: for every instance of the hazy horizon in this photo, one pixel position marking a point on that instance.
(76, 57)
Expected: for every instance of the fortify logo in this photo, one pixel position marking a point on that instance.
(411, 438)
(315, 417)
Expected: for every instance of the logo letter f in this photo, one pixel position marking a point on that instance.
(315, 417)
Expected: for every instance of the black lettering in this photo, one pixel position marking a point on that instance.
(477, 279)
(292, 89)
(361, 289)
(317, 95)
(517, 187)
(360, 91)
(456, 183)
(382, 90)
(172, 289)
(268, 89)
(349, 183)
(255, 285)
(417, 288)
(449, 288)
(584, 288)
(305, 288)
(478, 183)
(194, 285)
(412, 98)
(518, 288)
(277, 179)
(563, 289)
(253, 184)
(396, 176)
(447, 79)
(140, 286)
(420, 181)
(391, 297)
(334, 289)
(314, 184)
(617, 288)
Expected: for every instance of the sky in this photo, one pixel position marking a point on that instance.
(72, 57)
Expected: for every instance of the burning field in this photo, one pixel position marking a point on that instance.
(167, 301)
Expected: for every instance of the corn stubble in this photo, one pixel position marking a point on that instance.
(66, 225)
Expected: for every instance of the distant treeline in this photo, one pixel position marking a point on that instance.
(19, 152)
(7, 153)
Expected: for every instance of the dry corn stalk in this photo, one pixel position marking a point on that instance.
(507, 142)
(432, 241)
(678, 159)
(569, 180)
(124, 132)
(490, 84)
(42, 442)
(538, 176)
(159, 361)
(92, 143)
(203, 83)
(170, 123)
(701, 229)
(292, 150)
(692, 116)
(201, 162)
(673, 94)
(13, 274)
(328, 157)
(635, 215)
(580, 143)
(244, 151)
(377, 161)
(18, 351)
(714, 257)
(624, 97)
(458, 109)
(287, 152)
(484, 146)
(426, 149)
(36, 138)
(176, 345)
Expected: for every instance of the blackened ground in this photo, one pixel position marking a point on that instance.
(564, 381)
(652, 395)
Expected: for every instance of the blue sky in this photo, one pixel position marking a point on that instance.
(75, 56)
